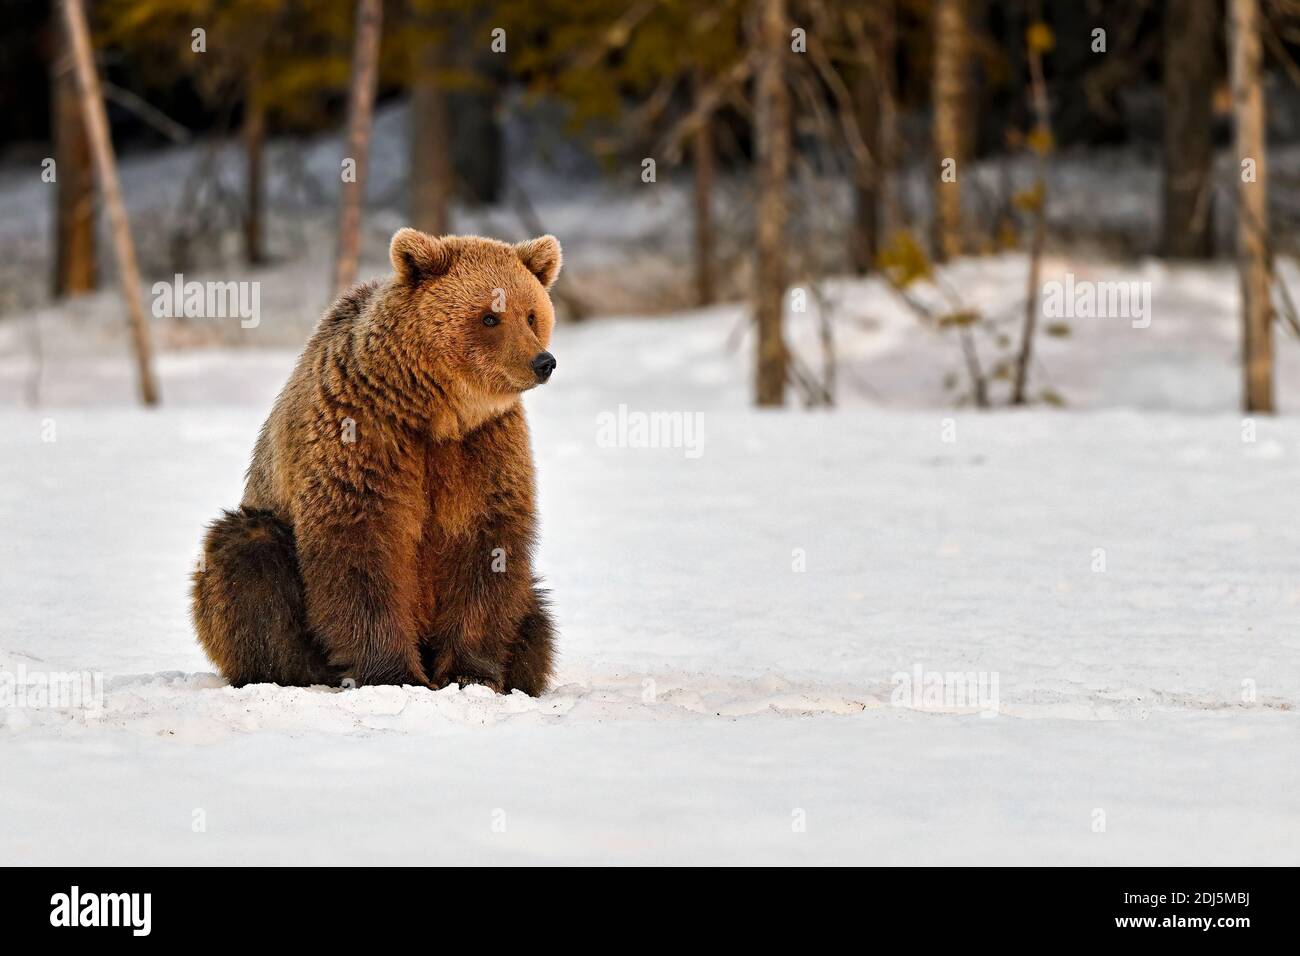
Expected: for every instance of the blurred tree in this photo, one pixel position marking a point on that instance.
(951, 49)
(457, 83)
(682, 62)
(277, 60)
(1190, 74)
(431, 173)
(772, 132)
(476, 103)
(712, 61)
(1038, 41)
(254, 135)
(356, 155)
(74, 215)
(1253, 250)
(702, 153)
(456, 71)
(871, 27)
(95, 118)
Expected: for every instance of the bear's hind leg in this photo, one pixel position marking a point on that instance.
(533, 653)
(249, 606)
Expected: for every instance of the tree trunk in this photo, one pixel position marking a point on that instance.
(886, 39)
(1253, 256)
(864, 232)
(95, 118)
(255, 148)
(74, 234)
(772, 118)
(361, 106)
(1041, 143)
(1189, 77)
(479, 148)
(949, 94)
(976, 95)
(703, 159)
(431, 172)
(479, 163)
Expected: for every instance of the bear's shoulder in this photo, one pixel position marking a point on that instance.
(348, 307)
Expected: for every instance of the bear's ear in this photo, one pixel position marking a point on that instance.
(417, 255)
(541, 257)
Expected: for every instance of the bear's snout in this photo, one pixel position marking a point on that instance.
(543, 366)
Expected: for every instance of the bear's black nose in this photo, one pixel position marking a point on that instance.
(543, 366)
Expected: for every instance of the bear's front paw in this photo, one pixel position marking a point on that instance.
(389, 671)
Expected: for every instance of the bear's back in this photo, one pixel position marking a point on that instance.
(270, 473)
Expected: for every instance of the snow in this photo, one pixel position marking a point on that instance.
(892, 787)
(604, 221)
(710, 697)
(741, 620)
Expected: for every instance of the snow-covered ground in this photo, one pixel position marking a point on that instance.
(743, 619)
(1183, 356)
(752, 621)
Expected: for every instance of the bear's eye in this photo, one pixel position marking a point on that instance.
(531, 318)
(490, 320)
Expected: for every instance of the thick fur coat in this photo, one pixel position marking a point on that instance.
(388, 521)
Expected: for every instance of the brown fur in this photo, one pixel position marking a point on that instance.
(394, 536)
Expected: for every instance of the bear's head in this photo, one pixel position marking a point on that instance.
(477, 308)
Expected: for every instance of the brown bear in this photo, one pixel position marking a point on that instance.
(388, 519)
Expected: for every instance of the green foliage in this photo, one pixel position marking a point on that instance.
(599, 54)
(595, 56)
(1040, 140)
(1031, 199)
(903, 260)
(959, 319)
(1039, 38)
(294, 53)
